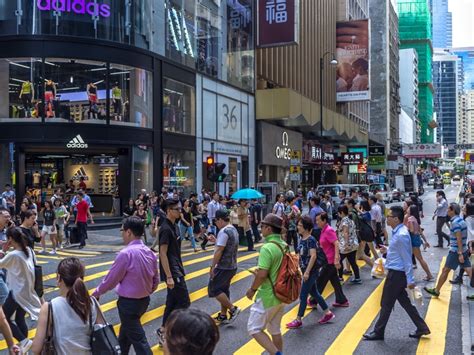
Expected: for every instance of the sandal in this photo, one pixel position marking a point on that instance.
(428, 279)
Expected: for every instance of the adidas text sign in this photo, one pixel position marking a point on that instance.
(77, 142)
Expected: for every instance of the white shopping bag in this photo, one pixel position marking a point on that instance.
(378, 270)
(416, 296)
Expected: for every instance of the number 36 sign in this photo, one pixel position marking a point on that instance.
(229, 126)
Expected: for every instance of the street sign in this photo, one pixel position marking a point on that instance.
(295, 169)
(295, 157)
(461, 146)
(432, 150)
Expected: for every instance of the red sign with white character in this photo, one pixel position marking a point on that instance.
(278, 22)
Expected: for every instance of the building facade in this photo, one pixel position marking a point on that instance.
(466, 56)
(113, 93)
(445, 80)
(442, 24)
(409, 96)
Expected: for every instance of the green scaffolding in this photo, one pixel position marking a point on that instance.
(415, 32)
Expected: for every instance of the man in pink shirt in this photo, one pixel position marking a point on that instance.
(330, 245)
(134, 275)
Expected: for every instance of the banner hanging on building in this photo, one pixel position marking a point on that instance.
(278, 22)
(421, 150)
(352, 54)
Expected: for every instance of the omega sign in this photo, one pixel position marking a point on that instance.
(80, 7)
(283, 152)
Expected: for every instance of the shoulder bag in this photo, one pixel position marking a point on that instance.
(48, 344)
(38, 276)
(103, 338)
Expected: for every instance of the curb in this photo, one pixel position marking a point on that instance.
(467, 322)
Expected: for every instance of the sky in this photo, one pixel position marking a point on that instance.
(463, 22)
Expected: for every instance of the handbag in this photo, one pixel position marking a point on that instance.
(38, 276)
(48, 344)
(103, 339)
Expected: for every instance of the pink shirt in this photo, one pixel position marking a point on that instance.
(134, 272)
(413, 222)
(326, 240)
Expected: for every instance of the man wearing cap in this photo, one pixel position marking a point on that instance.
(267, 311)
(224, 267)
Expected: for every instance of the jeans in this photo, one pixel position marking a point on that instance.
(131, 332)
(329, 274)
(82, 232)
(440, 222)
(176, 298)
(256, 233)
(309, 288)
(3, 288)
(18, 327)
(247, 235)
(352, 260)
(183, 229)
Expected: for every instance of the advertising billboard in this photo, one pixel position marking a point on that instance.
(278, 22)
(421, 150)
(352, 54)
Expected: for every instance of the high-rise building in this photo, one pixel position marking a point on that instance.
(467, 58)
(469, 114)
(464, 133)
(445, 80)
(415, 32)
(442, 24)
(409, 96)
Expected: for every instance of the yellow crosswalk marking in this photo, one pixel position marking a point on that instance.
(195, 296)
(252, 347)
(437, 319)
(349, 338)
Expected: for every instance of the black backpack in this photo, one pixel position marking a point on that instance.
(321, 258)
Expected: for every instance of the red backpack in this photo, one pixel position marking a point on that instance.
(288, 282)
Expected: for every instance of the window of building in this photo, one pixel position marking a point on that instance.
(178, 107)
(142, 169)
(179, 170)
(20, 89)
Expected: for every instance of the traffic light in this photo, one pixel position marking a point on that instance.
(219, 172)
(210, 167)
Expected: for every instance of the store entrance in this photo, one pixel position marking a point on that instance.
(97, 173)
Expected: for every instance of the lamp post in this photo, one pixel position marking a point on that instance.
(321, 69)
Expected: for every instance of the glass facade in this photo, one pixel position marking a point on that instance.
(214, 37)
(178, 107)
(179, 170)
(142, 169)
(75, 91)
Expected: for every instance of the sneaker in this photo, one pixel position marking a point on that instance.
(294, 324)
(431, 291)
(327, 318)
(161, 337)
(456, 281)
(221, 319)
(341, 305)
(234, 313)
(415, 267)
(42, 251)
(356, 281)
(311, 303)
(25, 345)
(53, 252)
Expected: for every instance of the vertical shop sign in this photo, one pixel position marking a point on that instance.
(278, 22)
(352, 54)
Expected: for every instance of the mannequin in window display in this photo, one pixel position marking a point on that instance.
(92, 97)
(117, 101)
(36, 179)
(50, 97)
(26, 97)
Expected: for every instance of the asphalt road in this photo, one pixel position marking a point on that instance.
(342, 336)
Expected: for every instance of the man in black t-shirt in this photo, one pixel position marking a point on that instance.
(255, 219)
(29, 227)
(171, 265)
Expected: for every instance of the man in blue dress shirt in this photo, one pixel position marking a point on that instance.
(400, 275)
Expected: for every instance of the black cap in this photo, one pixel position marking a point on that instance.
(222, 214)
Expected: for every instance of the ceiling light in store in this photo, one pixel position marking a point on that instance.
(120, 72)
(19, 65)
(52, 64)
(73, 88)
(98, 69)
(11, 84)
(20, 81)
(71, 79)
(98, 82)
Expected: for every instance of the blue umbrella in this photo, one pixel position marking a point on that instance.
(247, 194)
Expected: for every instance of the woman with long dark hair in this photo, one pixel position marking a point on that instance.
(72, 312)
(22, 299)
(413, 225)
(49, 227)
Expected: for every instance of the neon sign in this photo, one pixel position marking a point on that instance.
(79, 7)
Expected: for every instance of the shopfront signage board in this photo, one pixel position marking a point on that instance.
(277, 144)
(77, 143)
(278, 22)
(79, 7)
(295, 158)
(352, 158)
(421, 150)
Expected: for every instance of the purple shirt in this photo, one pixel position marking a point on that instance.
(134, 272)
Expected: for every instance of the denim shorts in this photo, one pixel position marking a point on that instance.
(3, 289)
(452, 261)
(416, 241)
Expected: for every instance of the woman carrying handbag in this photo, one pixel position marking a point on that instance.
(70, 315)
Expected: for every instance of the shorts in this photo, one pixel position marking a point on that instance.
(452, 261)
(48, 230)
(220, 283)
(416, 241)
(261, 318)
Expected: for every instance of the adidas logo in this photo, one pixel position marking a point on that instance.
(77, 142)
(80, 173)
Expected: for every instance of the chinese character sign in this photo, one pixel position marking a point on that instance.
(352, 158)
(278, 22)
(352, 53)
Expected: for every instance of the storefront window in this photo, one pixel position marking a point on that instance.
(179, 31)
(128, 22)
(142, 173)
(131, 96)
(179, 170)
(20, 90)
(178, 107)
(75, 91)
(7, 166)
